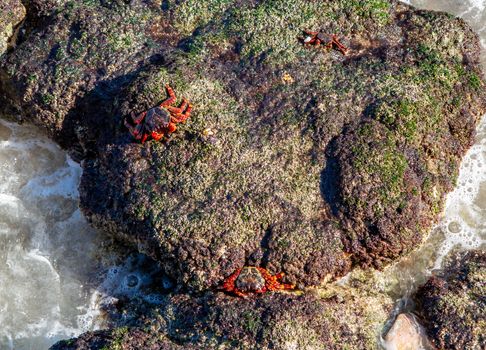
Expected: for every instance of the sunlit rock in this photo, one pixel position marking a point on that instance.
(452, 303)
(12, 12)
(405, 334)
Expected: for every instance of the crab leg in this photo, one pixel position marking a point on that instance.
(230, 280)
(137, 119)
(134, 130)
(183, 105)
(272, 282)
(311, 38)
(179, 116)
(157, 136)
(171, 127)
(340, 46)
(174, 110)
(278, 277)
(171, 99)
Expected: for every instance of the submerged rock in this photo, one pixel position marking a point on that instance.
(12, 12)
(452, 304)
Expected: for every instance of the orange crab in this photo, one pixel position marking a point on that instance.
(253, 280)
(329, 41)
(160, 120)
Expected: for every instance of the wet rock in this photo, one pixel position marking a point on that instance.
(405, 334)
(12, 12)
(273, 321)
(338, 166)
(129, 339)
(452, 304)
(72, 59)
(315, 162)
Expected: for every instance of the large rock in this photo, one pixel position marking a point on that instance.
(216, 321)
(452, 304)
(74, 55)
(12, 12)
(296, 159)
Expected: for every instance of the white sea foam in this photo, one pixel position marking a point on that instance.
(44, 243)
(48, 253)
(475, 8)
(464, 222)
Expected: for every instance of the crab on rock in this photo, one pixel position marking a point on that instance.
(159, 121)
(253, 280)
(329, 41)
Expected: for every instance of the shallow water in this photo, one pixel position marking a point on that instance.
(55, 273)
(46, 245)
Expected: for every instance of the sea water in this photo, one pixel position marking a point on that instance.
(46, 246)
(57, 273)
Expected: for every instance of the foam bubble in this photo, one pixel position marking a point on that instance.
(465, 214)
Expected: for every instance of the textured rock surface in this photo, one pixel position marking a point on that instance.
(278, 321)
(12, 12)
(452, 304)
(295, 159)
(405, 334)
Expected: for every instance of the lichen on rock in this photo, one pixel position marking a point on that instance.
(12, 12)
(300, 160)
(274, 321)
(451, 304)
(335, 166)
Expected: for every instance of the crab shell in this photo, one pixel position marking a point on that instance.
(325, 38)
(250, 280)
(156, 119)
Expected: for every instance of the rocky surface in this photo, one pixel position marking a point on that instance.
(406, 334)
(300, 160)
(278, 321)
(297, 159)
(452, 304)
(12, 12)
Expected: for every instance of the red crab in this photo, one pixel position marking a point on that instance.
(329, 41)
(253, 280)
(159, 121)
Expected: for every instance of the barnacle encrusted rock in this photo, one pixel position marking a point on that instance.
(12, 12)
(452, 303)
(345, 163)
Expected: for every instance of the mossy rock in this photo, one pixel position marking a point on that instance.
(12, 12)
(451, 304)
(278, 321)
(297, 159)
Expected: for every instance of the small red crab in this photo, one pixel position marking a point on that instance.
(329, 41)
(253, 280)
(159, 121)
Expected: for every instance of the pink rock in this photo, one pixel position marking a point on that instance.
(406, 334)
